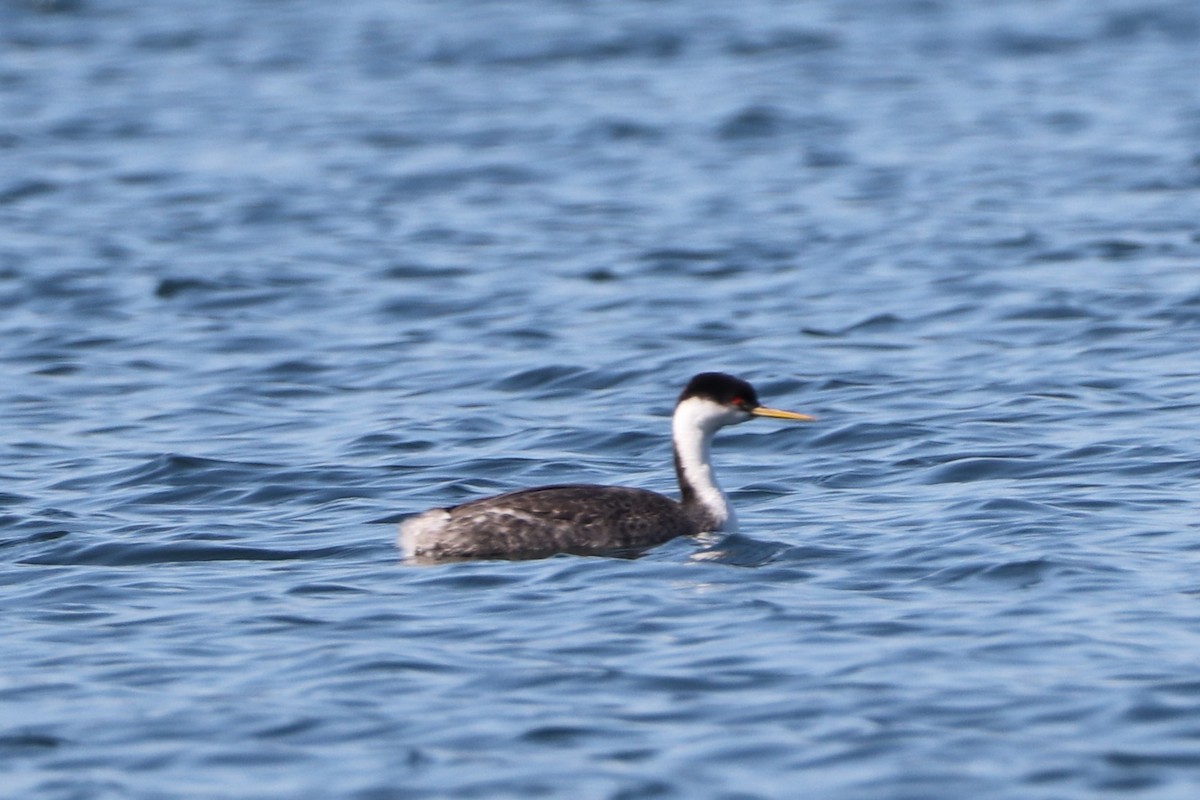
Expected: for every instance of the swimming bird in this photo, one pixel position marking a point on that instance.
(583, 518)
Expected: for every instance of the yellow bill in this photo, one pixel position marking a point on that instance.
(763, 411)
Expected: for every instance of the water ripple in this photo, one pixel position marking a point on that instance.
(272, 282)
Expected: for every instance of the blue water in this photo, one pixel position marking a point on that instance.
(274, 275)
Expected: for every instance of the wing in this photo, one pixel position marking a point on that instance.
(569, 518)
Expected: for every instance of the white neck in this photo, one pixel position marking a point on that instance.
(692, 427)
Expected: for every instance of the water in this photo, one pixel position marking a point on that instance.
(275, 275)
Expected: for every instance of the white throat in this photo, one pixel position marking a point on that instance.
(693, 425)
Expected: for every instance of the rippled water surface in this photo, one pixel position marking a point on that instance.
(274, 275)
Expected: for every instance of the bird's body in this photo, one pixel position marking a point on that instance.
(582, 518)
(548, 519)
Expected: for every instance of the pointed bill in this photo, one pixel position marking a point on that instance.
(775, 413)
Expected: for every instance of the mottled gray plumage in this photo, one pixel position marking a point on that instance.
(576, 518)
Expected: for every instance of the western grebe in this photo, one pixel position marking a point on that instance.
(584, 518)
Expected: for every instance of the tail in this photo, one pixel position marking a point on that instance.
(419, 534)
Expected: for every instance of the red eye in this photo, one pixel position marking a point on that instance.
(737, 401)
